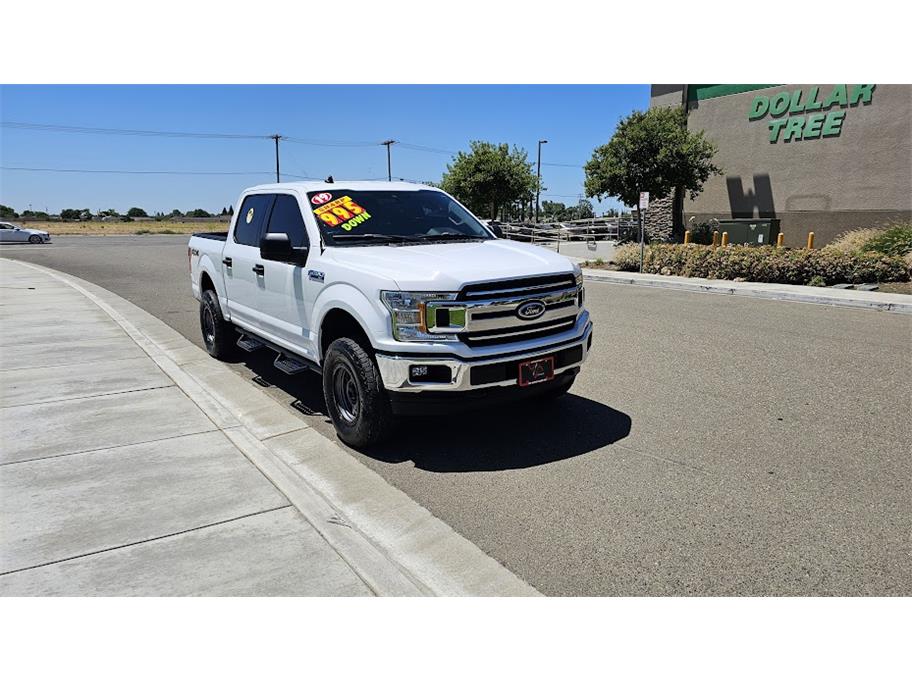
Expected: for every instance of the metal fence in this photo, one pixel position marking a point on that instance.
(553, 234)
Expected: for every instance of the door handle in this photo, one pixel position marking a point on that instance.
(259, 269)
(227, 261)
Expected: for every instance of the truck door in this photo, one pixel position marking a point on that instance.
(286, 306)
(241, 263)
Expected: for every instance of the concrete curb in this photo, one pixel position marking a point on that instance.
(870, 300)
(394, 544)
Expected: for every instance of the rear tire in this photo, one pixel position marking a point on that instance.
(355, 397)
(35, 239)
(219, 336)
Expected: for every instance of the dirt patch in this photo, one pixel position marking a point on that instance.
(119, 228)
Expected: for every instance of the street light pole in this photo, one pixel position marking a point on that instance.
(277, 138)
(538, 184)
(389, 162)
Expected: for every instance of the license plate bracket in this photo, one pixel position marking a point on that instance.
(536, 371)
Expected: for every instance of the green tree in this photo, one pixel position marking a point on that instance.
(176, 213)
(584, 210)
(37, 215)
(489, 176)
(199, 213)
(651, 151)
(136, 212)
(552, 211)
(7, 212)
(70, 214)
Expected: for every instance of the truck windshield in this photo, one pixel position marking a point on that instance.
(358, 218)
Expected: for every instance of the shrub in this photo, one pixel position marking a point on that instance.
(892, 240)
(765, 264)
(852, 241)
(627, 257)
(896, 240)
(816, 281)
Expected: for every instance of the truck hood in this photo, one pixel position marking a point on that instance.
(448, 267)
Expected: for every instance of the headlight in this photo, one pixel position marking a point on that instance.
(415, 320)
(578, 274)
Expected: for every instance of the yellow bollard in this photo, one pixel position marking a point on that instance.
(687, 236)
(725, 239)
(780, 241)
(715, 238)
(810, 240)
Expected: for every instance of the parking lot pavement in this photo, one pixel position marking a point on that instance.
(712, 445)
(134, 464)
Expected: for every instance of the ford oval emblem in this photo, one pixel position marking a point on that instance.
(530, 310)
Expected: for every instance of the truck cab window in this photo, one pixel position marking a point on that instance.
(250, 219)
(286, 217)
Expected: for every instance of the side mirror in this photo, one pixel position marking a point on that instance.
(277, 246)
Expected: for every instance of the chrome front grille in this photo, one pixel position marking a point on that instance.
(526, 287)
(491, 309)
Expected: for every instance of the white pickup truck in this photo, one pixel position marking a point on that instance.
(396, 294)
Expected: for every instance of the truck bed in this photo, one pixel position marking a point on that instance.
(217, 236)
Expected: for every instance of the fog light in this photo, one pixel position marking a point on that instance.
(430, 374)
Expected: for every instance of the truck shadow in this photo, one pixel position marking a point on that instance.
(513, 436)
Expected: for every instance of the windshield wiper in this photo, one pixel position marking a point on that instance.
(375, 236)
(449, 236)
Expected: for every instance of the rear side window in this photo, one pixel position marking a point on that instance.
(250, 219)
(286, 217)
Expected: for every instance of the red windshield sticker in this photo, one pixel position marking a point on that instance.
(321, 198)
(344, 213)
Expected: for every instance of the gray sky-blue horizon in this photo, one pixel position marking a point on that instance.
(347, 121)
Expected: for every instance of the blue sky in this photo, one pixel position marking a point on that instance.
(574, 119)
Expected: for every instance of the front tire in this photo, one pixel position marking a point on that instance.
(35, 239)
(355, 397)
(219, 336)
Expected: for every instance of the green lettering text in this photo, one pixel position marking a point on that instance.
(775, 128)
(832, 126)
(813, 104)
(862, 94)
(759, 107)
(796, 107)
(793, 127)
(779, 104)
(838, 96)
(812, 128)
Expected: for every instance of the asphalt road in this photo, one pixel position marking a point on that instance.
(714, 445)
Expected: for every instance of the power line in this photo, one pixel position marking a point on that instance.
(52, 128)
(139, 172)
(84, 130)
(44, 127)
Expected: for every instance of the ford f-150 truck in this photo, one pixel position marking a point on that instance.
(396, 294)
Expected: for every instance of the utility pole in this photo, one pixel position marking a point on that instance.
(538, 184)
(277, 138)
(389, 162)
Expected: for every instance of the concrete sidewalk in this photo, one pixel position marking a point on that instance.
(134, 464)
(871, 300)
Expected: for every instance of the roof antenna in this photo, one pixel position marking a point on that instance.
(330, 180)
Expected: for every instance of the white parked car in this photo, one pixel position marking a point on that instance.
(396, 294)
(10, 232)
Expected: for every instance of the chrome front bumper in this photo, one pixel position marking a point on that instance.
(394, 369)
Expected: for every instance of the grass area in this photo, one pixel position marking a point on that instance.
(119, 228)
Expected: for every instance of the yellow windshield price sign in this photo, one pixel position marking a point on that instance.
(343, 212)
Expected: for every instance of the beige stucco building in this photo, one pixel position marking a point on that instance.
(821, 158)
